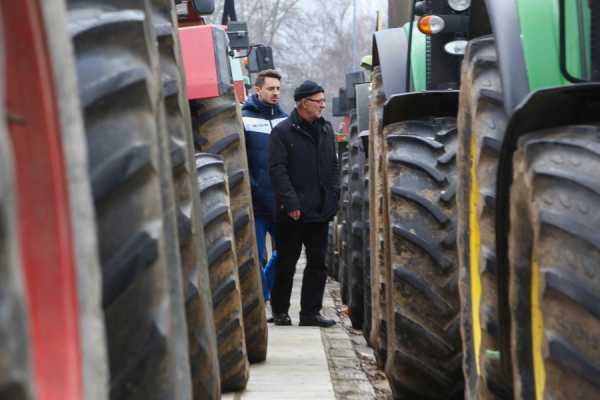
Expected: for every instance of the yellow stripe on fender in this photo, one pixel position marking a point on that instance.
(537, 331)
(474, 249)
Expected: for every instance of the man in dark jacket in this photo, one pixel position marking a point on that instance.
(304, 171)
(261, 113)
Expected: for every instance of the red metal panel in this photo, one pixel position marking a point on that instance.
(240, 91)
(44, 219)
(345, 130)
(199, 62)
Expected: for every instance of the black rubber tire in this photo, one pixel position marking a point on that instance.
(377, 203)
(424, 350)
(554, 248)
(219, 123)
(117, 69)
(366, 253)
(15, 370)
(94, 357)
(357, 226)
(204, 361)
(180, 345)
(330, 260)
(222, 263)
(481, 125)
(344, 270)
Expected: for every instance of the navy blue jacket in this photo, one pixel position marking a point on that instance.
(304, 169)
(259, 119)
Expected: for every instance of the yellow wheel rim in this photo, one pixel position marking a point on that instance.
(537, 331)
(474, 249)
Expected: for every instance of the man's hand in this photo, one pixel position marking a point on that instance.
(295, 215)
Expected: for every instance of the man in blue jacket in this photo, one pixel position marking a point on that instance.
(261, 113)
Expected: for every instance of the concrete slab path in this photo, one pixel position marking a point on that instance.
(296, 365)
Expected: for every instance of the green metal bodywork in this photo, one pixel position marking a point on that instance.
(539, 21)
(417, 58)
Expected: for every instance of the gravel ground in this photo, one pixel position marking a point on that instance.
(351, 361)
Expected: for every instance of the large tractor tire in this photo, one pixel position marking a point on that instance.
(180, 346)
(366, 252)
(203, 355)
(223, 267)
(346, 206)
(378, 245)
(220, 125)
(330, 260)
(52, 221)
(481, 125)
(120, 95)
(344, 270)
(424, 350)
(357, 226)
(554, 248)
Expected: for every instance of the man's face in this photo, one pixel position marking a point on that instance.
(269, 91)
(314, 105)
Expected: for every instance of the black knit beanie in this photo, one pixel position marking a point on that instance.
(307, 89)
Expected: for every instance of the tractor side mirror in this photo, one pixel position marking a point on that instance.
(343, 99)
(260, 58)
(337, 110)
(353, 78)
(238, 35)
(204, 7)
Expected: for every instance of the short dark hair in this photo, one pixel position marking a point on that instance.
(267, 73)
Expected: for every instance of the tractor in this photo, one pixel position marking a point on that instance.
(528, 248)
(352, 104)
(482, 148)
(214, 101)
(105, 223)
(415, 320)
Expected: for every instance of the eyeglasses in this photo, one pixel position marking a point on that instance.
(321, 101)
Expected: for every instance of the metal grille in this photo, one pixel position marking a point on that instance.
(182, 8)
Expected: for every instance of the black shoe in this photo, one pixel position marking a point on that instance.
(316, 320)
(282, 319)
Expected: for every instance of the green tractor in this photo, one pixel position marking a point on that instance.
(528, 172)
(482, 200)
(415, 319)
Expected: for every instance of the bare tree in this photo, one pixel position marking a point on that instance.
(311, 39)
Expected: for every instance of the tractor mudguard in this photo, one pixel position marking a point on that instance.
(432, 104)
(542, 109)
(205, 60)
(390, 50)
(504, 18)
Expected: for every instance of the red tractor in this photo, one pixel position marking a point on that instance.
(105, 289)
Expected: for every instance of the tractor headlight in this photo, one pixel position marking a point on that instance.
(431, 24)
(456, 48)
(459, 5)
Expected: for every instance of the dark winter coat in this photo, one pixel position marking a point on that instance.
(259, 119)
(304, 172)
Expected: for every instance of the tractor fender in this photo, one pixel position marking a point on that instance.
(542, 109)
(390, 50)
(504, 19)
(435, 103)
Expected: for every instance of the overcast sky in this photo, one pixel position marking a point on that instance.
(367, 6)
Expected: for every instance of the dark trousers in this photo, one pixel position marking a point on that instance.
(290, 238)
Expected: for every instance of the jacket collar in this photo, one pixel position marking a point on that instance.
(255, 105)
(297, 119)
